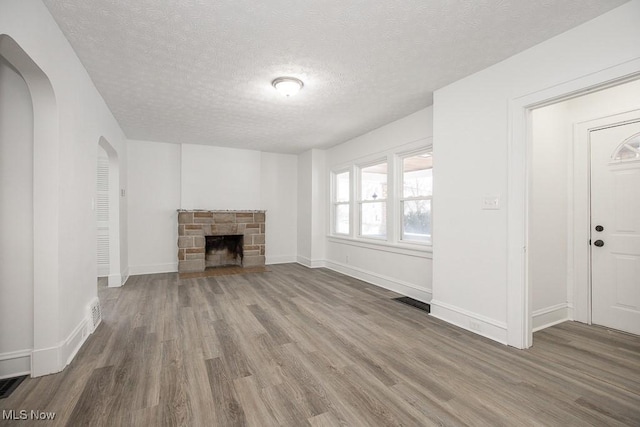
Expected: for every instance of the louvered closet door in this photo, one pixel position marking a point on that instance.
(102, 213)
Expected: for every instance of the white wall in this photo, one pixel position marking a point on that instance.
(166, 177)
(154, 198)
(548, 223)
(304, 208)
(311, 209)
(471, 145)
(220, 178)
(66, 282)
(16, 223)
(551, 237)
(405, 271)
(279, 197)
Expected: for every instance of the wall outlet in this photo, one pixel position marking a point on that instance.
(491, 202)
(474, 326)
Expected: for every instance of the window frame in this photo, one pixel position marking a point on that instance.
(402, 199)
(335, 203)
(360, 200)
(393, 242)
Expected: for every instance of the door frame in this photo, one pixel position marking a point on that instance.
(519, 300)
(580, 231)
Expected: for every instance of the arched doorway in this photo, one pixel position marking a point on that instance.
(45, 356)
(16, 223)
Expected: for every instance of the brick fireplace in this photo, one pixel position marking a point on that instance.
(194, 226)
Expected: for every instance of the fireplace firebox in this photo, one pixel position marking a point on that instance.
(223, 250)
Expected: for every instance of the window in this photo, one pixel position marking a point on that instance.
(384, 200)
(341, 201)
(415, 200)
(373, 201)
(628, 150)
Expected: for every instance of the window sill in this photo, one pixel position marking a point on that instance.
(420, 251)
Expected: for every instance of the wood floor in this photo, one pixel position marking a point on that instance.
(302, 347)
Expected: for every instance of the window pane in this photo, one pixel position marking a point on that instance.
(342, 187)
(629, 149)
(342, 219)
(417, 175)
(416, 220)
(373, 219)
(373, 183)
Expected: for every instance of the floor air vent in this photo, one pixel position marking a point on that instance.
(414, 303)
(95, 314)
(9, 384)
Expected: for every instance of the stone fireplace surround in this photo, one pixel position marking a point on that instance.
(194, 225)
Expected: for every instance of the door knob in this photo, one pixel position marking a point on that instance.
(599, 228)
(599, 243)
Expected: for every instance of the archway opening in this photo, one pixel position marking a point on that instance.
(16, 223)
(44, 211)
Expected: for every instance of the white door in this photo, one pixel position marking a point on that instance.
(615, 227)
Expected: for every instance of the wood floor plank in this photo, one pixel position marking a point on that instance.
(294, 346)
(227, 409)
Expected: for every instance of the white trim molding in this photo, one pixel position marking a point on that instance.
(472, 322)
(386, 282)
(136, 270)
(54, 359)
(125, 276)
(280, 259)
(310, 263)
(549, 316)
(114, 280)
(519, 310)
(420, 251)
(15, 363)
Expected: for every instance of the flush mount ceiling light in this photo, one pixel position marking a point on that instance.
(288, 86)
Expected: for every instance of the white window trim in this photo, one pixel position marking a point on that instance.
(393, 242)
(359, 201)
(335, 203)
(401, 199)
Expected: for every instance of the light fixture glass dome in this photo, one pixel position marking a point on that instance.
(288, 86)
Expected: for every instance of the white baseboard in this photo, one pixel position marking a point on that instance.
(386, 282)
(280, 259)
(549, 316)
(311, 263)
(125, 276)
(473, 322)
(54, 359)
(74, 341)
(15, 363)
(114, 281)
(171, 267)
(45, 361)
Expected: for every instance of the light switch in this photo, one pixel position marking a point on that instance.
(491, 202)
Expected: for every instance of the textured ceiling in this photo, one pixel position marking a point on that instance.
(200, 71)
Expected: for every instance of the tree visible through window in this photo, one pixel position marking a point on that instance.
(415, 203)
(388, 199)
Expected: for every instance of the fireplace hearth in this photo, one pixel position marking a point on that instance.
(217, 238)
